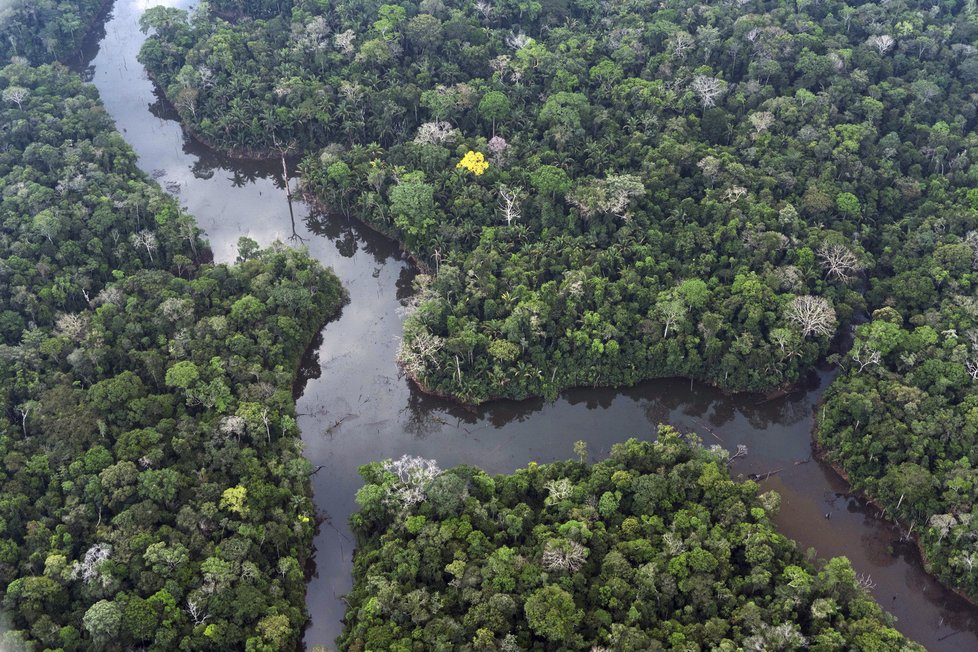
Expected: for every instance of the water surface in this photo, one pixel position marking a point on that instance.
(354, 406)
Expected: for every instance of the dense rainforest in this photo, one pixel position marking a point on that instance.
(655, 548)
(902, 423)
(606, 192)
(42, 31)
(698, 193)
(153, 492)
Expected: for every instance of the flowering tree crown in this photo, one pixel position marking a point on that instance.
(474, 162)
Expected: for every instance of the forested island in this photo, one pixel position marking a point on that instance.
(154, 492)
(610, 192)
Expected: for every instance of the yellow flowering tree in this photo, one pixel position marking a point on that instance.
(474, 162)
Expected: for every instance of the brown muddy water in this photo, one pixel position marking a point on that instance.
(355, 407)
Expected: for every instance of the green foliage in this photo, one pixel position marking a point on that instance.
(183, 374)
(675, 554)
(153, 488)
(609, 211)
(549, 179)
(848, 204)
(102, 622)
(44, 31)
(904, 427)
(683, 177)
(495, 107)
(551, 613)
(413, 208)
(234, 500)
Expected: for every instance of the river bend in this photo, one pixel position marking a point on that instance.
(355, 407)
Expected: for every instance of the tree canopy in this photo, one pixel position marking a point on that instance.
(673, 189)
(655, 548)
(153, 489)
(43, 31)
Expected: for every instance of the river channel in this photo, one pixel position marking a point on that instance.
(355, 407)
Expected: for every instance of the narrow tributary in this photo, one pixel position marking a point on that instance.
(354, 406)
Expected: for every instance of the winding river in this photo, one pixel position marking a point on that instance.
(355, 407)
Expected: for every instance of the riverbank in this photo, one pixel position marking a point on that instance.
(238, 153)
(318, 205)
(473, 408)
(821, 454)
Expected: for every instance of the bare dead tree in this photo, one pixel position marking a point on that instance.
(419, 352)
(265, 415)
(90, 567)
(517, 41)
(812, 315)
(497, 147)
(610, 195)
(437, 132)
(232, 425)
(500, 64)
(969, 560)
(284, 149)
(733, 193)
(786, 636)
(16, 94)
(414, 474)
(620, 189)
(864, 355)
(345, 42)
(708, 39)
(761, 121)
(564, 555)
(682, 43)
(943, 524)
(197, 613)
(111, 295)
(839, 262)
(675, 543)
(972, 362)
(186, 99)
(485, 9)
(882, 43)
(509, 204)
(972, 366)
(710, 166)
(557, 490)
(971, 238)
(206, 76)
(145, 239)
(73, 325)
(786, 342)
(865, 582)
(672, 311)
(708, 89)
